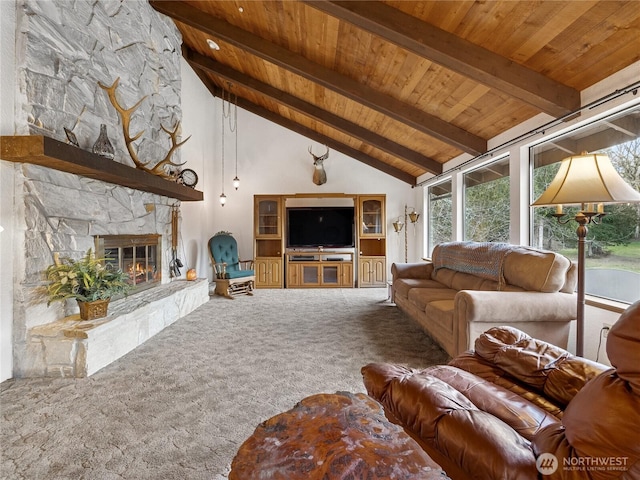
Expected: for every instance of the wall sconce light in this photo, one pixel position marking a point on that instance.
(413, 215)
(398, 224)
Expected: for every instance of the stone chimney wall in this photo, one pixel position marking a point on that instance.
(64, 48)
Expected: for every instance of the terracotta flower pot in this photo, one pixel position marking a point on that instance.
(93, 310)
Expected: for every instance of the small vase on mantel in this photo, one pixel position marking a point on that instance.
(103, 146)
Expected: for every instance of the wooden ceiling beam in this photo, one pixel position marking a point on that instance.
(455, 53)
(341, 84)
(309, 133)
(379, 142)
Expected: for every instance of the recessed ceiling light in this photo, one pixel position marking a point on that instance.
(212, 45)
(240, 9)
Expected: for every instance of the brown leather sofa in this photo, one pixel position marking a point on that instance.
(519, 408)
(469, 287)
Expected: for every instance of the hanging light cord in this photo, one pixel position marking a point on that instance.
(235, 116)
(232, 117)
(223, 117)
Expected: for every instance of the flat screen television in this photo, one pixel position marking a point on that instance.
(331, 227)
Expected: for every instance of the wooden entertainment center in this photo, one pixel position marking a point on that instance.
(322, 269)
(277, 266)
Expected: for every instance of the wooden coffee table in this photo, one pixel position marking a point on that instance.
(332, 436)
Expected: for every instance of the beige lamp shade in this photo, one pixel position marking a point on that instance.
(587, 178)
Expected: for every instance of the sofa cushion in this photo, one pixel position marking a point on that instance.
(401, 286)
(550, 369)
(421, 297)
(441, 312)
(463, 281)
(472, 363)
(523, 416)
(536, 270)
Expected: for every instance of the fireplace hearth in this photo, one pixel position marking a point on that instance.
(137, 255)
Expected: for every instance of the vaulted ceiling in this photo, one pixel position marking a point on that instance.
(405, 86)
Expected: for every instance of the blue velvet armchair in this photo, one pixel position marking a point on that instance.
(232, 275)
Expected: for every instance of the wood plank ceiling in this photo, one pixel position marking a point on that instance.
(405, 86)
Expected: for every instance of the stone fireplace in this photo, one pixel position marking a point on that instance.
(137, 255)
(63, 49)
(67, 214)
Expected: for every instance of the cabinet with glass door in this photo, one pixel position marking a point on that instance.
(372, 241)
(268, 227)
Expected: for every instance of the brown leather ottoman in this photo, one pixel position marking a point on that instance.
(332, 437)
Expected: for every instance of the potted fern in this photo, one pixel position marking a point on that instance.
(88, 280)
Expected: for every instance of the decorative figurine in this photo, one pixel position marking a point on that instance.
(103, 146)
(71, 137)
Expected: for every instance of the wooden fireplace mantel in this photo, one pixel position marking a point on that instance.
(48, 152)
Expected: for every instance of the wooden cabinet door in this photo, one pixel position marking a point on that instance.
(261, 267)
(373, 271)
(274, 272)
(331, 275)
(346, 274)
(379, 271)
(372, 217)
(268, 272)
(365, 274)
(268, 217)
(293, 275)
(310, 274)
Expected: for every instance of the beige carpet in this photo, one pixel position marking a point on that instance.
(179, 406)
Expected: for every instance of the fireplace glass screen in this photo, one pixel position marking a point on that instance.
(137, 255)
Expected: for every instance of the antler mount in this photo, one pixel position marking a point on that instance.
(159, 168)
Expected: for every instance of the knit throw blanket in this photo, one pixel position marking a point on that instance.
(482, 259)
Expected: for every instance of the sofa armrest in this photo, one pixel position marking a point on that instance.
(514, 307)
(412, 270)
(600, 423)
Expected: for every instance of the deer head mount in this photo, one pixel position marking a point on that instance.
(319, 175)
(163, 167)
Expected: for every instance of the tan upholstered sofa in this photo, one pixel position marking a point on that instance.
(469, 287)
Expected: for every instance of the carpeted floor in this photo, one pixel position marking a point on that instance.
(179, 406)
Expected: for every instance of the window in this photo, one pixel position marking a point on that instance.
(440, 222)
(612, 267)
(486, 203)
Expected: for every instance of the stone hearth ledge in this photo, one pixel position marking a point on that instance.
(73, 348)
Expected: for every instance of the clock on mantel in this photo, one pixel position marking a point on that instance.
(51, 153)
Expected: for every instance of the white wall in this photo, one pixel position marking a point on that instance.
(7, 89)
(271, 160)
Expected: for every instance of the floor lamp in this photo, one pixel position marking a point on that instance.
(591, 181)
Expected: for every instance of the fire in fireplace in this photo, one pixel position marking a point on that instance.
(138, 255)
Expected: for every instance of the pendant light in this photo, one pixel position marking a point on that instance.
(236, 180)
